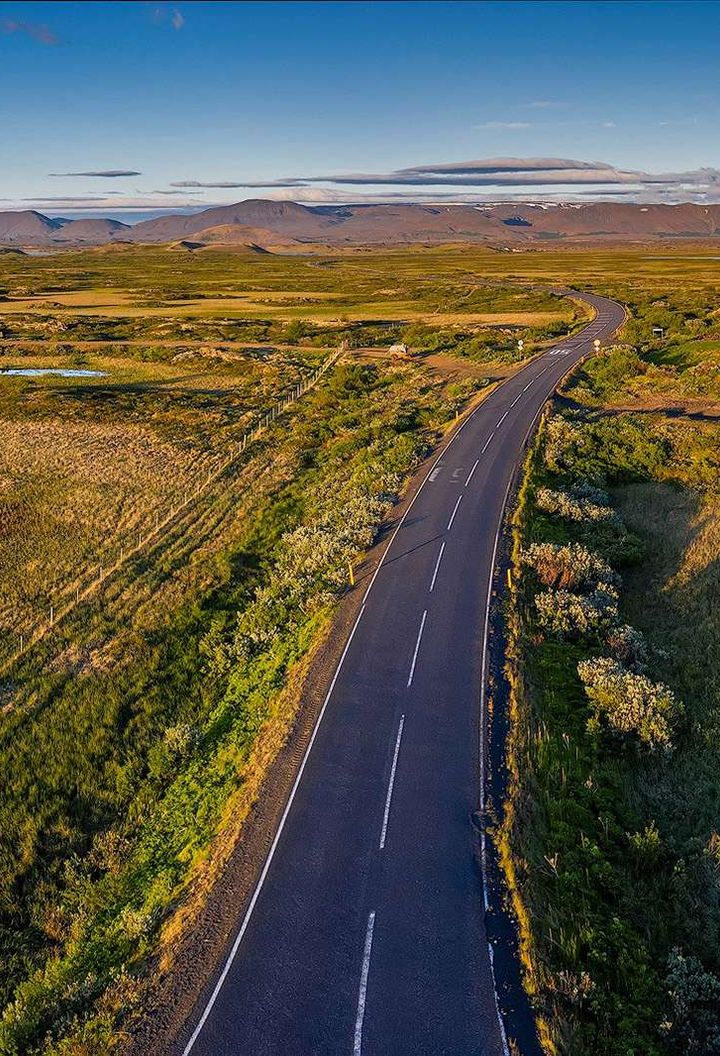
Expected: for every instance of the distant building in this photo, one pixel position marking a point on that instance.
(400, 350)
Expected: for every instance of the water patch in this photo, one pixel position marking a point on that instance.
(63, 372)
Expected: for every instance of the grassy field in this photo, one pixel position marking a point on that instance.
(614, 844)
(137, 728)
(88, 466)
(131, 733)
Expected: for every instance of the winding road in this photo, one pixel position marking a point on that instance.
(366, 933)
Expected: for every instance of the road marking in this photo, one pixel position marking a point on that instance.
(528, 385)
(452, 515)
(273, 847)
(469, 476)
(415, 497)
(456, 473)
(437, 566)
(486, 445)
(417, 648)
(501, 420)
(519, 396)
(483, 749)
(362, 995)
(434, 472)
(386, 815)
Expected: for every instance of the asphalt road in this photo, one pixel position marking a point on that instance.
(366, 934)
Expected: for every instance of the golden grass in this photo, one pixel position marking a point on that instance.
(72, 495)
(271, 305)
(90, 466)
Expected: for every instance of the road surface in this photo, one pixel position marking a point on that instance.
(366, 933)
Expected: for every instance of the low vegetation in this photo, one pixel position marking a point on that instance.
(136, 730)
(611, 837)
(134, 733)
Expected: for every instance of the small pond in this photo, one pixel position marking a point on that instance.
(63, 372)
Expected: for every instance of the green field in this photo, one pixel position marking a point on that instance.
(612, 836)
(136, 730)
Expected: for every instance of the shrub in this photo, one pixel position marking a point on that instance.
(618, 448)
(565, 614)
(694, 1025)
(570, 567)
(561, 438)
(583, 489)
(628, 646)
(630, 702)
(608, 373)
(563, 503)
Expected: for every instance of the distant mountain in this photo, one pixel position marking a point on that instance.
(94, 232)
(239, 234)
(27, 228)
(285, 218)
(264, 224)
(30, 228)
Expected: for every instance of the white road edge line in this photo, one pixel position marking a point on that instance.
(437, 566)
(391, 784)
(417, 649)
(483, 747)
(452, 515)
(258, 887)
(469, 476)
(362, 995)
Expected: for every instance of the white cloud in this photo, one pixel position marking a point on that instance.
(513, 126)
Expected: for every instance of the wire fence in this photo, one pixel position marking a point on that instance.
(65, 602)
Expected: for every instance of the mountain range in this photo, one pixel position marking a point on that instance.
(271, 224)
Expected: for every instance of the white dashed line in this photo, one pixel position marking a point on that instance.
(362, 995)
(469, 476)
(417, 649)
(391, 783)
(501, 420)
(452, 515)
(519, 396)
(486, 445)
(437, 566)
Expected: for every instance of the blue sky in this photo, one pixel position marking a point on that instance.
(177, 95)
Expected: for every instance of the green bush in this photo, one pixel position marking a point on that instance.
(694, 1025)
(568, 615)
(630, 702)
(568, 567)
